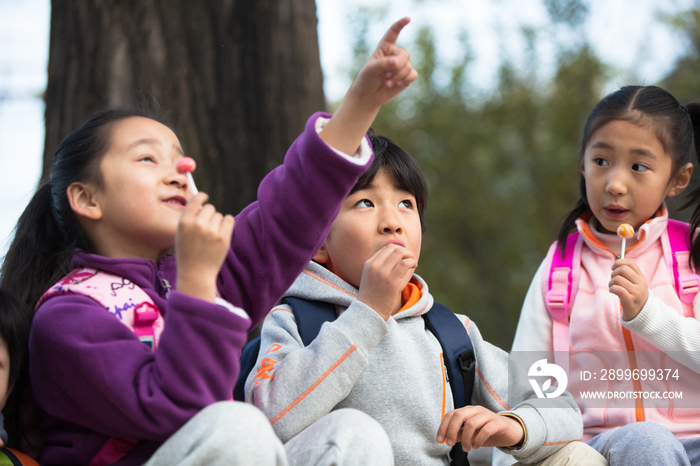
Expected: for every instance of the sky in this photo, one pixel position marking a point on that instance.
(625, 33)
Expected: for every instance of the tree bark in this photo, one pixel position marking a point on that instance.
(235, 79)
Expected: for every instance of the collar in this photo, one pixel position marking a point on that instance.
(411, 294)
(607, 243)
(142, 272)
(319, 283)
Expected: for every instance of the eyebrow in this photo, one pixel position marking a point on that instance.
(151, 142)
(636, 150)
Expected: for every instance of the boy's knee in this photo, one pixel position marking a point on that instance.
(363, 424)
(233, 419)
(346, 437)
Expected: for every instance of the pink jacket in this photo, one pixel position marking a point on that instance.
(665, 334)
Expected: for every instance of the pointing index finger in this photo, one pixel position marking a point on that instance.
(392, 34)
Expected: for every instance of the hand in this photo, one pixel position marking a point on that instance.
(629, 284)
(201, 243)
(387, 72)
(476, 426)
(384, 276)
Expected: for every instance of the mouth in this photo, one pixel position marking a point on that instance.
(176, 201)
(615, 211)
(396, 242)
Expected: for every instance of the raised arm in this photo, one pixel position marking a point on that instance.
(276, 236)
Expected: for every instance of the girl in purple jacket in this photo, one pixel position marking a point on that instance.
(116, 203)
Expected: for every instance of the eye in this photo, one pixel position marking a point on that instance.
(147, 158)
(406, 204)
(638, 167)
(600, 161)
(364, 204)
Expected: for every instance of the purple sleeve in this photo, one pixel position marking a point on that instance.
(276, 236)
(89, 369)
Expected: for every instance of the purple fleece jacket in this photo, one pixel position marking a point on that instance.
(93, 379)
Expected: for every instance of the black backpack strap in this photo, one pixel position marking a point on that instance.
(310, 316)
(249, 356)
(460, 362)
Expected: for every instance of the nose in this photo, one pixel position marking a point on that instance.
(174, 177)
(389, 222)
(616, 184)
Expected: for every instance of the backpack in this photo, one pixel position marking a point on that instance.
(119, 296)
(129, 304)
(444, 324)
(561, 282)
(10, 457)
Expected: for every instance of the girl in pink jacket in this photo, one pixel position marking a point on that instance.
(626, 328)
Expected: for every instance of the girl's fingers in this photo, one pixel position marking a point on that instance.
(204, 216)
(413, 75)
(392, 35)
(400, 75)
(384, 66)
(619, 291)
(626, 274)
(194, 204)
(622, 263)
(227, 225)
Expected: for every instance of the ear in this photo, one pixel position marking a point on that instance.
(81, 197)
(681, 180)
(580, 168)
(322, 255)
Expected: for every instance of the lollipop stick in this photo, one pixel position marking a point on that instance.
(194, 190)
(622, 250)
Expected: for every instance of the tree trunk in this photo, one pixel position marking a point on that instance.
(235, 79)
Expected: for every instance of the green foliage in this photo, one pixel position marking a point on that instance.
(502, 170)
(570, 12)
(683, 82)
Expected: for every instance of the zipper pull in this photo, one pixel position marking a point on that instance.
(164, 283)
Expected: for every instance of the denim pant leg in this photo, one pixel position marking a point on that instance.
(640, 443)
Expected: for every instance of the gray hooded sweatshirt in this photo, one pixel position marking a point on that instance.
(394, 372)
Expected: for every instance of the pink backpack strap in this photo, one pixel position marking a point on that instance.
(128, 303)
(676, 245)
(560, 285)
(122, 298)
(112, 451)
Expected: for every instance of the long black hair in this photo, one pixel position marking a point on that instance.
(677, 127)
(48, 232)
(14, 331)
(45, 238)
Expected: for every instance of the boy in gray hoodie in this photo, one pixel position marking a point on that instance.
(379, 358)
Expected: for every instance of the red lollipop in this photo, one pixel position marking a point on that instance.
(187, 165)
